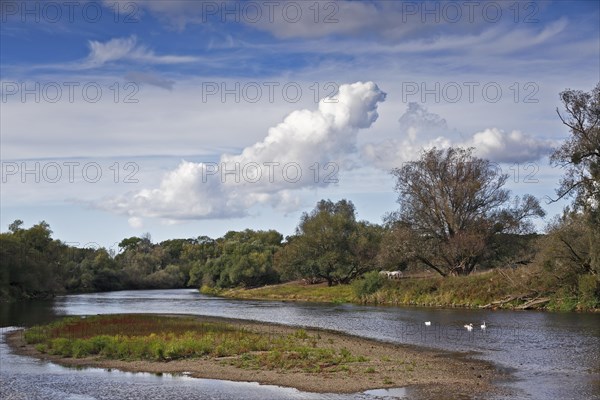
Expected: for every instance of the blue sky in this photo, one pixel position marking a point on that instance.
(114, 124)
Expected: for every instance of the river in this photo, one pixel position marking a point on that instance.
(551, 355)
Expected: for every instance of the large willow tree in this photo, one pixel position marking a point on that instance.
(330, 245)
(452, 206)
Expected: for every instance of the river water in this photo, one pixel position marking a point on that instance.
(551, 355)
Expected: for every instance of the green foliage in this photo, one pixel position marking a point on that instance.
(589, 292)
(295, 291)
(370, 283)
(36, 266)
(208, 290)
(242, 259)
(564, 299)
(158, 338)
(42, 348)
(61, 346)
(31, 264)
(330, 245)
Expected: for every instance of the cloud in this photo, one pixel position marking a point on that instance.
(422, 130)
(419, 129)
(509, 147)
(418, 121)
(384, 20)
(127, 49)
(270, 172)
(150, 79)
(124, 50)
(136, 222)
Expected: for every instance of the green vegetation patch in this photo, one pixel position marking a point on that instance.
(142, 337)
(158, 338)
(297, 292)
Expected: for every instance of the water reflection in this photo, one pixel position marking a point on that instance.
(27, 313)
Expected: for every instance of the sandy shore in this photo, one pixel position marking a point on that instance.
(427, 373)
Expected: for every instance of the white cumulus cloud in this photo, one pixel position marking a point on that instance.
(422, 130)
(511, 147)
(303, 150)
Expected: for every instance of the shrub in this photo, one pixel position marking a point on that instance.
(589, 291)
(372, 281)
(81, 348)
(61, 346)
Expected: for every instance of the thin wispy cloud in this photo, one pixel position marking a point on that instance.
(127, 49)
(116, 51)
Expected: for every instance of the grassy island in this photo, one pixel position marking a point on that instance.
(209, 347)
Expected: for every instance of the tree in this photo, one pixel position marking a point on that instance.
(452, 206)
(31, 262)
(331, 245)
(129, 243)
(195, 255)
(580, 157)
(246, 259)
(565, 254)
(15, 226)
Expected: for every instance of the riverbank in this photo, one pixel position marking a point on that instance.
(513, 289)
(347, 364)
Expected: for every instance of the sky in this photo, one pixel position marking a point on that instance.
(187, 118)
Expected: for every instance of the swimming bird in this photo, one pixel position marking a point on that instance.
(427, 323)
(469, 327)
(483, 326)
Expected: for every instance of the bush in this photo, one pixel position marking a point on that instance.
(589, 292)
(61, 347)
(563, 299)
(81, 348)
(371, 282)
(209, 290)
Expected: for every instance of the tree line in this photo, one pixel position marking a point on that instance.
(455, 216)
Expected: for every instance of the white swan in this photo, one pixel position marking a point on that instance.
(469, 327)
(427, 323)
(483, 326)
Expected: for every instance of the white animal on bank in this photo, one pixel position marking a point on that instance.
(391, 274)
